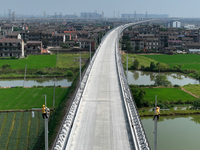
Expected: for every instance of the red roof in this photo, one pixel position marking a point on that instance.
(69, 31)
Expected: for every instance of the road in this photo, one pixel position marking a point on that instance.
(101, 122)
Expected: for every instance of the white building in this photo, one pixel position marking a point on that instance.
(174, 24)
(189, 26)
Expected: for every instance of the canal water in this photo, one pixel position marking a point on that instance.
(147, 78)
(174, 132)
(35, 82)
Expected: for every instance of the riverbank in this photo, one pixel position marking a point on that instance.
(144, 113)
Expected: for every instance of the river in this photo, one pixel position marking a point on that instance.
(174, 132)
(147, 78)
(35, 82)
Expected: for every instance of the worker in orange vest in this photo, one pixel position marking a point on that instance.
(157, 113)
(44, 112)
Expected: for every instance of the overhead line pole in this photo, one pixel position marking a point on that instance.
(155, 126)
(46, 127)
(25, 75)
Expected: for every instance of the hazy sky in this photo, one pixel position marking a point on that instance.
(175, 8)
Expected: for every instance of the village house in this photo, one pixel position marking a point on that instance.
(11, 47)
(33, 48)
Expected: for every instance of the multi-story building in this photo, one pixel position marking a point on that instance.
(14, 35)
(58, 39)
(137, 43)
(33, 48)
(11, 47)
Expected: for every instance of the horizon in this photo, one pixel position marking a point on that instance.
(110, 9)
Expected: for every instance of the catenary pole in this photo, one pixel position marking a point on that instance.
(25, 75)
(155, 126)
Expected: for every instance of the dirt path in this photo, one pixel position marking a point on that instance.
(189, 93)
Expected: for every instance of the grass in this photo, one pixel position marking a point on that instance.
(28, 98)
(167, 95)
(71, 60)
(144, 113)
(45, 61)
(193, 88)
(144, 61)
(32, 62)
(187, 61)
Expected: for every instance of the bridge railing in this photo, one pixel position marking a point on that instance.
(137, 130)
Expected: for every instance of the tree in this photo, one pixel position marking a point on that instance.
(138, 95)
(152, 66)
(45, 42)
(196, 104)
(66, 46)
(136, 64)
(162, 80)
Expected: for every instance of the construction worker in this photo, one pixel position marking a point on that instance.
(44, 112)
(157, 113)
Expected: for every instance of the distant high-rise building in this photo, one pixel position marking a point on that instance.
(90, 15)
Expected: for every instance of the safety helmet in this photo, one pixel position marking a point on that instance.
(43, 105)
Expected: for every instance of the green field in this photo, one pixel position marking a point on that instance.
(71, 60)
(143, 61)
(18, 130)
(193, 88)
(187, 61)
(45, 61)
(32, 62)
(167, 95)
(28, 98)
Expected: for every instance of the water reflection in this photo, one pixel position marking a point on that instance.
(36, 82)
(174, 132)
(147, 78)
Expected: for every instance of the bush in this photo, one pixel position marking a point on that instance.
(196, 104)
(176, 85)
(69, 73)
(5, 66)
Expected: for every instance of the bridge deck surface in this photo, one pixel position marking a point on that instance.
(101, 122)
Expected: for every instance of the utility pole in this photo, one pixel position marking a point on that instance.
(9, 14)
(54, 92)
(25, 75)
(13, 16)
(57, 56)
(79, 66)
(90, 52)
(127, 68)
(46, 128)
(155, 126)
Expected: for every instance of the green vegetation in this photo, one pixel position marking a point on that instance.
(32, 62)
(18, 130)
(28, 98)
(173, 95)
(143, 61)
(193, 88)
(172, 112)
(161, 80)
(138, 95)
(187, 61)
(42, 65)
(71, 60)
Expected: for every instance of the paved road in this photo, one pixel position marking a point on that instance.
(101, 121)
